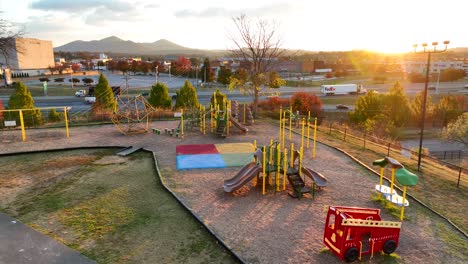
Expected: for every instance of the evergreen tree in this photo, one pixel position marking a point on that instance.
(22, 99)
(187, 96)
(104, 95)
(159, 96)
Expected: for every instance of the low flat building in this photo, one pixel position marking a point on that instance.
(31, 56)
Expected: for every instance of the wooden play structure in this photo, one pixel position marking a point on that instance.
(403, 176)
(353, 232)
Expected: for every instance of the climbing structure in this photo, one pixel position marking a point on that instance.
(132, 115)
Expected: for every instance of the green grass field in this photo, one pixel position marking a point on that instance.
(111, 209)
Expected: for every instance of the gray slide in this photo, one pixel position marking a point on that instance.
(247, 173)
(238, 125)
(318, 178)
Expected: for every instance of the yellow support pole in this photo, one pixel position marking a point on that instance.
(402, 212)
(65, 114)
(182, 123)
(315, 138)
(393, 180)
(255, 145)
(228, 109)
(308, 130)
(284, 129)
(292, 155)
(290, 123)
(302, 133)
(201, 119)
(285, 167)
(280, 131)
(23, 131)
(270, 157)
(278, 161)
(300, 161)
(264, 170)
(244, 113)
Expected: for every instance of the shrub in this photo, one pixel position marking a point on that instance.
(273, 103)
(305, 102)
(159, 96)
(54, 116)
(187, 96)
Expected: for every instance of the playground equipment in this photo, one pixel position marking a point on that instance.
(132, 116)
(10, 121)
(351, 232)
(271, 168)
(404, 177)
(223, 120)
(305, 122)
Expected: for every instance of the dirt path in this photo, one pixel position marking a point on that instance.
(273, 228)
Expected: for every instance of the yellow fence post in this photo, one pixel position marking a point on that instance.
(292, 155)
(65, 114)
(315, 138)
(302, 133)
(280, 131)
(23, 131)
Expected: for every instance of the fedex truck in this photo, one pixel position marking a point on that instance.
(342, 89)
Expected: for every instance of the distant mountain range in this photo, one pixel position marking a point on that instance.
(116, 45)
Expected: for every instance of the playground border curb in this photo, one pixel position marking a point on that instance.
(158, 172)
(388, 181)
(239, 258)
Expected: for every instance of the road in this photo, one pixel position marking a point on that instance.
(204, 94)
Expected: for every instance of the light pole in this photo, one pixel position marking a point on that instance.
(423, 114)
(156, 73)
(71, 76)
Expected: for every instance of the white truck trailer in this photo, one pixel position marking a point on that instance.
(342, 89)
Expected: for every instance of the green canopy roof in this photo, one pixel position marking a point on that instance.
(380, 162)
(388, 161)
(406, 177)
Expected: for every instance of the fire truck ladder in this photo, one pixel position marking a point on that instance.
(372, 223)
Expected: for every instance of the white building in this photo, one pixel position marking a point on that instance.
(435, 67)
(32, 56)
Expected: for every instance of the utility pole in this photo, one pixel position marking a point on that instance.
(156, 73)
(423, 117)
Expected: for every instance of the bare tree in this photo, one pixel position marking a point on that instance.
(257, 45)
(8, 35)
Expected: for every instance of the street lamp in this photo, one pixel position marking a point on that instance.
(423, 114)
(156, 73)
(71, 76)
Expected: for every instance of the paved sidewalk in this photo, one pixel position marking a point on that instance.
(21, 244)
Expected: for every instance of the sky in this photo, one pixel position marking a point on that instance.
(389, 26)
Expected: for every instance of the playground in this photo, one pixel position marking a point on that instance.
(270, 227)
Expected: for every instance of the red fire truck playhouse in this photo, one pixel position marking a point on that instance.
(352, 232)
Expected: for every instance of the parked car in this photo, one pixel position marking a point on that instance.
(342, 107)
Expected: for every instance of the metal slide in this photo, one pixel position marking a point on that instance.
(247, 173)
(319, 179)
(238, 125)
